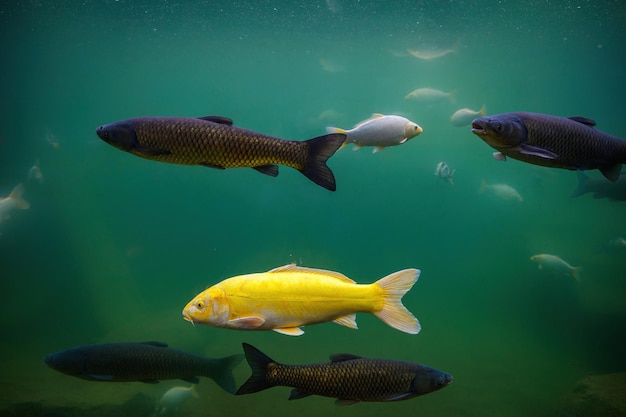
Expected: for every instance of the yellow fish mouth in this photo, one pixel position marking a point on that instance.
(187, 317)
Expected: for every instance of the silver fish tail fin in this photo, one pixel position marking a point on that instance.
(16, 195)
(258, 362)
(320, 149)
(221, 371)
(394, 313)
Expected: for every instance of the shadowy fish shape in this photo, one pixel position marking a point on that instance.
(172, 400)
(379, 131)
(348, 378)
(146, 362)
(614, 191)
(430, 95)
(465, 116)
(502, 191)
(553, 263)
(214, 142)
(552, 141)
(291, 296)
(444, 172)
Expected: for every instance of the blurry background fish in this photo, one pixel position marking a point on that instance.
(171, 401)
(430, 95)
(444, 172)
(556, 265)
(502, 191)
(464, 116)
(600, 187)
(34, 173)
(13, 201)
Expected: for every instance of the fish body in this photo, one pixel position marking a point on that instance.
(444, 172)
(171, 401)
(552, 141)
(291, 296)
(348, 378)
(557, 265)
(143, 362)
(14, 201)
(599, 188)
(214, 142)
(465, 116)
(380, 131)
(429, 95)
(502, 191)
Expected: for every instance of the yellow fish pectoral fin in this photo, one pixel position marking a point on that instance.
(348, 321)
(290, 331)
(246, 323)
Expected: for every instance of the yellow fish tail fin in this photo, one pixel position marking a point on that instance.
(394, 313)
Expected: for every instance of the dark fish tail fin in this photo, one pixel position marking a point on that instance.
(258, 362)
(320, 149)
(221, 371)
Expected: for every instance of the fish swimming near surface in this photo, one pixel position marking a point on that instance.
(444, 172)
(171, 401)
(552, 141)
(348, 378)
(430, 95)
(12, 202)
(291, 296)
(502, 191)
(599, 188)
(465, 116)
(146, 362)
(379, 131)
(214, 142)
(556, 265)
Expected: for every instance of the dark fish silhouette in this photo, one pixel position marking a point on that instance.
(143, 362)
(214, 142)
(349, 378)
(552, 141)
(599, 188)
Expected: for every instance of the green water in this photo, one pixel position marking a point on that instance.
(114, 246)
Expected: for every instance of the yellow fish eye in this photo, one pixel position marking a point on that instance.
(200, 305)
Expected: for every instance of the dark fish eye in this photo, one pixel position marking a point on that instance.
(497, 127)
(199, 305)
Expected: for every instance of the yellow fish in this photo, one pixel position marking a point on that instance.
(291, 296)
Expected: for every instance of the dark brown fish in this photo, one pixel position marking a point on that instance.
(552, 141)
(349, 378)
(143, 362)
(214, 142)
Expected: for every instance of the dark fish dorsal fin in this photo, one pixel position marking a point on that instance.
(218, 119)
(583, 120)
(341, 357)
(157, 344)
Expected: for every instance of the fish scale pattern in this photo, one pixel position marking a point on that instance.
(200, 142)
(356, 379)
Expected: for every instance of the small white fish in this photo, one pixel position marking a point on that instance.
(429, 54)
(444, 172)
(618, 242)
(503, 191)
(12, 202)
(52, 140)
(464, 116)
(379, 131)
(557, 265)
(35, 173)
(430, 95)
(171, 401)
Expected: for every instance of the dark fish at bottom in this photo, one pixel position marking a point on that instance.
(552, 141)
(349, 378)
(143, 362)
(214, 142)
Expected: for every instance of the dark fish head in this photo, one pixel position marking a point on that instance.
(119, 134)
(500, 131)
(429, 380)
(70, 362)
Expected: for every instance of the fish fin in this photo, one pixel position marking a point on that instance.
(400, 397)
(403, 140)
(258, 362)
(150, 381)
(584, 120)
(206, 164)
(372, 117)
(218, 119)
(296, 394)
(157, 344)
(356, 147)
(101, 377)
(320, 149)
(271, 170)
(499, 156)
(348, 321)
(342, 401)
(296, 268)
(378, 149)
(16, 195)
(221, 371)
(536, 151)
(330, 129)
(147, 150)
(193, 391)
(611, 172)
(290, 331)
(342, 357)
(192, 379)
(482, 111)
(576, 271)
(581, 189)
(393, 313)
(246, 323)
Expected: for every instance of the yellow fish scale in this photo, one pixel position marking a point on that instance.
(193, 142)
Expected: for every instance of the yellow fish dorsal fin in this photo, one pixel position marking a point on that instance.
(373, 117)
(303, 269)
